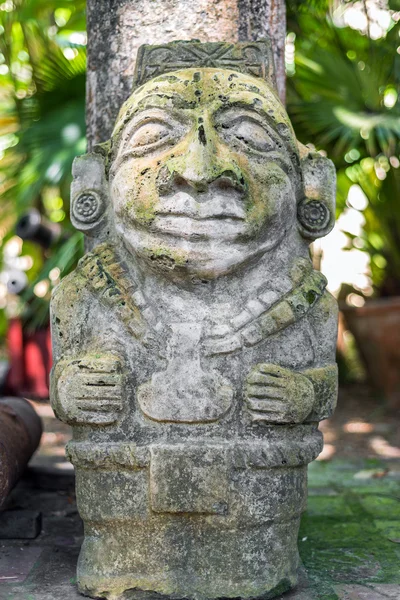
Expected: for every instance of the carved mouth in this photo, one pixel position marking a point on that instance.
(216, 217)
(217, 227)
(219, 215)
(204, 206)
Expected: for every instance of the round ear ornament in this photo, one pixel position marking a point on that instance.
(89, 193)
(87, 208)
(313, 215)
(316, 210)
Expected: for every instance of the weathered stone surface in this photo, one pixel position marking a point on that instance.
(194, 346)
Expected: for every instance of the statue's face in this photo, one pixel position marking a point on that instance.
(204, 174)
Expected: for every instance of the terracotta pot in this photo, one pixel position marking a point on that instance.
(376, 329)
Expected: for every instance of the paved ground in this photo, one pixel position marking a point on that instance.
(349, 538)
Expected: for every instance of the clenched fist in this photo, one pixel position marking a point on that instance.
(278, 395)
(88, 391)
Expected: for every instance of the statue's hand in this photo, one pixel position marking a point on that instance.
(88, 391)
(278, 395)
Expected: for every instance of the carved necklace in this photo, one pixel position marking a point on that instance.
(107, 276)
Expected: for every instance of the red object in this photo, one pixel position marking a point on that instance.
(30, 361)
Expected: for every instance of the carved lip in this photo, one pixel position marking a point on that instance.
(218, 227)
(202, 207)
(216, 217)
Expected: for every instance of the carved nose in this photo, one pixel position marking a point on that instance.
(169, 181)
(200, 169)
(224, 181)
(199, 165)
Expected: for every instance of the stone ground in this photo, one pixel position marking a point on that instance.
(349, 538)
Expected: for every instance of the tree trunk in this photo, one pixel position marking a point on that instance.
(116, 28)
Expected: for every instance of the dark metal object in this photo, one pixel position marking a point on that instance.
(20, 524)
(31, 226)
(20, 432)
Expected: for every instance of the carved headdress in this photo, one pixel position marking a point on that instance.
(251, 58)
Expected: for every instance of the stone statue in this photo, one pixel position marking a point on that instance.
(194, 345)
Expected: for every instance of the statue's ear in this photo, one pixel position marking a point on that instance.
(316, 210)
(89, 195)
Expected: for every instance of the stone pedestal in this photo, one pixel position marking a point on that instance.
(198, 520)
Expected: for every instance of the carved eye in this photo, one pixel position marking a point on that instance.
(252, 134)
(149, 134)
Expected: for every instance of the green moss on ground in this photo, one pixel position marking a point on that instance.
(350, 533)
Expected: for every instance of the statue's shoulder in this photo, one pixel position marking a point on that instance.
(310, 295)
(77, 300)
(88, 279)
(102, 282)
(68, 293)
(96, 272)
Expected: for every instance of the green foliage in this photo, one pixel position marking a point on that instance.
(343, 97)
(381, 232)
(336, 98)
(42, 129)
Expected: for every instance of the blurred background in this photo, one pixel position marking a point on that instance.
(343, 68)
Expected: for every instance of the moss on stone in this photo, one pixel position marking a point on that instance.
(167, 258)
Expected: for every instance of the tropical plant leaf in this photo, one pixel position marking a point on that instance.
(42, 128)
(336, 98)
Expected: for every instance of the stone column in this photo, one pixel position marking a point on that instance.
(116, 29)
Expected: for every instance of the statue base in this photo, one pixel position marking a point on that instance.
(196, 561)
(193, 521)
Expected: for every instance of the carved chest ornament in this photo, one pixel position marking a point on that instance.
(194, 345)
(264, 315)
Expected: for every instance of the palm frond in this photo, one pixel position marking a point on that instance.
(336, 98)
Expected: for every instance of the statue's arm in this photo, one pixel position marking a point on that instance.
(325, 384)
(324, 375)
(86, 380)
(275, 394)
